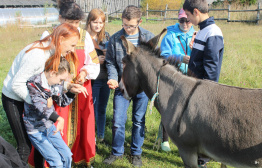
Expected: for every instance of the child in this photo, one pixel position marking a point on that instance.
(40, 116)
(131, 19)
(207, 53)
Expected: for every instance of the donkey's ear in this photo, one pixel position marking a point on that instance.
(128, 45)
(154, 41)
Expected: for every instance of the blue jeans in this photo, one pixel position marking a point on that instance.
(119, 120)
(101, 92)
(52, 147)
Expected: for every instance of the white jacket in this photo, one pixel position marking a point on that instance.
(24, 66)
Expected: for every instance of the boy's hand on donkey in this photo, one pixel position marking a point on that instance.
(112, 84)
(59, 126)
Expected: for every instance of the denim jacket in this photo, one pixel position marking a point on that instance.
(37, 116)
(116, 51)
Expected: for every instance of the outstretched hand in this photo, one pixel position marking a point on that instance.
(112, 84)
(77, 88)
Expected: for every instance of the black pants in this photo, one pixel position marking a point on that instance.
(14, 112)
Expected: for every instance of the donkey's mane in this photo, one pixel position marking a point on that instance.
(156, 53)
(176, 62)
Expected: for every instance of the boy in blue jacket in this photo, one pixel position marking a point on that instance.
(207, 53)
(40, 116)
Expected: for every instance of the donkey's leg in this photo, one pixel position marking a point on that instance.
(189, 158)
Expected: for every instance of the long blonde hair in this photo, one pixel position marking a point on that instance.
(93, 15)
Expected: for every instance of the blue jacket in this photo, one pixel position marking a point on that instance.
(171, 46)
(116, 51)
(207, 53)
(37, 116)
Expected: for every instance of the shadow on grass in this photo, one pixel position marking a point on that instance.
(160, 155)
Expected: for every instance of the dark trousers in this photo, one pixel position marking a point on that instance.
(14, 112)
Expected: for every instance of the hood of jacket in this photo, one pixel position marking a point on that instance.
(175, 29)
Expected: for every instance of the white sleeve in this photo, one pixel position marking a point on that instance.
(31, 64)
(91, 64)
(46, 33)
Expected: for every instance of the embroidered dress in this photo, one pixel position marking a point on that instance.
(79, 130)
(82, 129)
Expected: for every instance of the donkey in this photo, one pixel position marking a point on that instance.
(200, 116)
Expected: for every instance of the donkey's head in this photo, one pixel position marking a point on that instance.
(130, 83)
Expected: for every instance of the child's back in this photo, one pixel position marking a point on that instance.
(207, 53)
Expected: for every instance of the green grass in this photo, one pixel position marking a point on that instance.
(241, 67)
(13, 39)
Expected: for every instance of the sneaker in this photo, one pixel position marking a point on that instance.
(111, 159)
(165, 146)
(136, 160)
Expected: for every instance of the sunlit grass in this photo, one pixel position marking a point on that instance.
(241, 67)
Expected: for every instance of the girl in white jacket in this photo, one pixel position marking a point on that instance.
(30, 61)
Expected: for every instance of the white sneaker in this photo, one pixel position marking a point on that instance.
(165, 146)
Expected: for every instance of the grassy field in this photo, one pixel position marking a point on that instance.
(241, 67)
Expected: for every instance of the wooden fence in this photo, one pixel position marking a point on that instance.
(112, 7)
(164, 17)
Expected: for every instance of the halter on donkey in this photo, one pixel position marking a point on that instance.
(200, 116)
